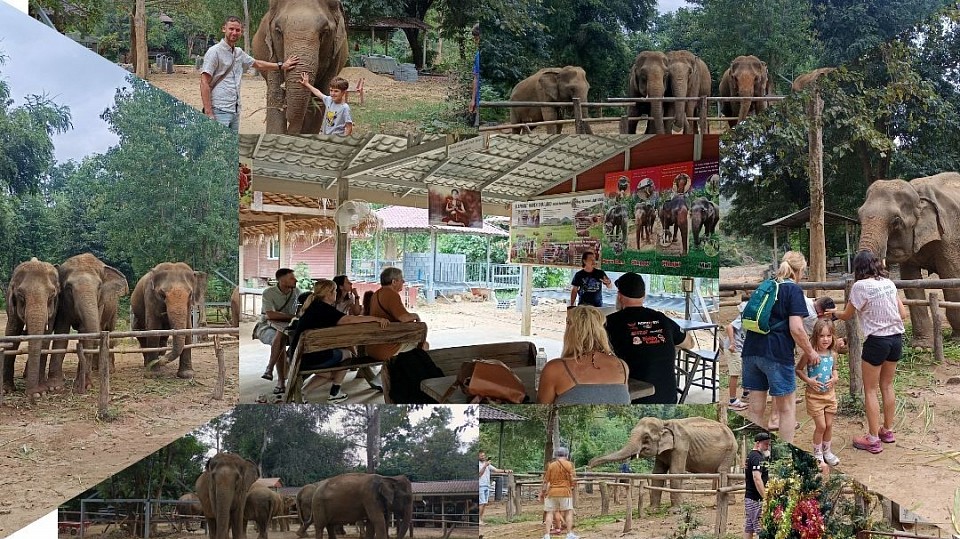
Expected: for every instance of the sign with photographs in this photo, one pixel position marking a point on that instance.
(663, 220)
(556, 231)
(452, 206)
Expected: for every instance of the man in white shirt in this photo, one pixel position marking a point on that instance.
(485, 468)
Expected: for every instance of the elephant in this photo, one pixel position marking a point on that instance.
(915, 225)
(645, 216)
(745, 78)
(674, 213)
(402, 505)
(90, 294)
(222, 489)
(352, 497)
(163, 299)
(689, 445)
(800, 83)
(615, 222)
(689, 76)
(189, 507)
(550, 84)
(305, 507)
(648, 78)
(262, 504)
(32, 302)
(235, 307)
(316, 31)
(704, 214)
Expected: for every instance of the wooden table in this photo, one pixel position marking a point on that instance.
(688, 361)
(436, 387)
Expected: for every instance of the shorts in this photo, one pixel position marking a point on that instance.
(557, 503)
(484, 495)
(268, 334)
(877, 349)
(226, 118)
(764, 374)
(820, 403)
(332, 359)
(752, 512)
(734, 363)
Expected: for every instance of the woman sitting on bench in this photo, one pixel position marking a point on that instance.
(319, 312)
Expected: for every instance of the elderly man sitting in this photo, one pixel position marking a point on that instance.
(387, 303)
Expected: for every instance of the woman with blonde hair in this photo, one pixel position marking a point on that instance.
(768, 360)
(319, 312)
(587, 371)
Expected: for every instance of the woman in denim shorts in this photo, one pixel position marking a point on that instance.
(768, 360)
(874, 297)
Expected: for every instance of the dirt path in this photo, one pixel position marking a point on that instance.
(167, 531)
(53, 451)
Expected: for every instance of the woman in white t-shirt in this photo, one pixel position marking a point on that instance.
(874, 297)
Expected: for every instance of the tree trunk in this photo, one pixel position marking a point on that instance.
(373, 437)
(818, 254)
(553, 434)
(246, 27)
(141, 62)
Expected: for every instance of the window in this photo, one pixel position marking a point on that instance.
(273, 250)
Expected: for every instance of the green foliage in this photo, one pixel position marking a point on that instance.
(547, 277)
(689, 523)
(302, 272)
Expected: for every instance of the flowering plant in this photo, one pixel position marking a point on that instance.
(246, 190)
(807, 519)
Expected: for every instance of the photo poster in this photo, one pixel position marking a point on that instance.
(663, 220)
(454, 206)
(556, 231)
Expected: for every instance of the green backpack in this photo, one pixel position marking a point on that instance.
(756, 314)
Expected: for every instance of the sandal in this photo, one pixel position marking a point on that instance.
(279, 390)
(278, 399)
(267, 376)
(261, 399)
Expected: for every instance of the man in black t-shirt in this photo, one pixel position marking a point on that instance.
(756, 481)
(588, 283)
(646, 340)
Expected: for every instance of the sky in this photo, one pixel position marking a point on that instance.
(41, 61)
(666, 6)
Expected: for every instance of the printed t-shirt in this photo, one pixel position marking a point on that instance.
(646, 340)
(755, 462)
(876, 302)
(590, 287)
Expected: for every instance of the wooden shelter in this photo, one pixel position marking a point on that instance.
(801, 219)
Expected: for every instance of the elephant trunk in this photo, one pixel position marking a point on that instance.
(89, 315)
(405, 523)
(628, 451)
(36, 318)
(222, 501)
(679, 85)
(746, 94)
(298, 98)
(873, 237)
(178, 315)
(656, 110)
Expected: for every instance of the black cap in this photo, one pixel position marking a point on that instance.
(631, 285)
(762, 437)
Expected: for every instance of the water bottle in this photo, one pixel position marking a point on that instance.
(541, 361)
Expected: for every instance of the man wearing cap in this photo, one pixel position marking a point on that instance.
(559, 480)
(646, 340)
(756, 481)
(485, 468)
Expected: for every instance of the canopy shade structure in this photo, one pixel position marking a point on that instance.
(404, 219)
(300, 216)
(801, 218)
(489, 414)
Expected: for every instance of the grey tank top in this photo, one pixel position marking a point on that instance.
(594, 393)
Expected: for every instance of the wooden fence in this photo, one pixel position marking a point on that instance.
(581, 119)
(854, 341)
(11, 347)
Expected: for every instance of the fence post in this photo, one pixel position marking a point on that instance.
(628, 521)
(517, 509)
(577, 116)
(722, 505)
(937, 326)
(511, 494)
(625, 125)
(604, 499)
(221, 369)
(854, 346)
(80, 385)
(103, 403)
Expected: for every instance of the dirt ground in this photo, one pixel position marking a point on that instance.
(53, 451)
(927, 428)
(167, 531)
(387, 106)
(588, 523)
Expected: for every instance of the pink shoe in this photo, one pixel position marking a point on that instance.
(886, 436)
(865, 443)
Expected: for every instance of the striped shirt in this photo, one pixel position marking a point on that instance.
(876, 303)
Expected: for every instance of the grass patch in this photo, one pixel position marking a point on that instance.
(592, 523)
(499, 521)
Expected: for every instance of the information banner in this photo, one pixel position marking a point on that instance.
(663, 220)
(556, 231)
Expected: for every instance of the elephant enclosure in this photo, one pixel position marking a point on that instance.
(54, 450)
(389, 106)
(419, 533)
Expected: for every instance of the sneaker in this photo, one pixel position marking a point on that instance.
(546, 536)
(886, 436)
(340, 396)
(818, 455)
(865, 443)
(737, 405)
(570, 535)
(830, 458)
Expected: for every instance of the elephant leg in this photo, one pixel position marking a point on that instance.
(149, 357)
(678, 464)
(953, 315)
(550, 114)
(276, 117)
(186, 361)
(919, 316)
(659, 466)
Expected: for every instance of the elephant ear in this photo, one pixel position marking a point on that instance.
(666, 439)
(114, 282)
(199, 291)
(385, 489)
(250, 473)
(549, 84)
(272, 53)
(928, 227)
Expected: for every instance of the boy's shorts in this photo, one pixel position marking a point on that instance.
(556, 503)
(734, 362)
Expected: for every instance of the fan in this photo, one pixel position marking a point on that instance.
(352, 213)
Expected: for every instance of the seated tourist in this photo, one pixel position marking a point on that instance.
(586, 372)
(349, 303)
(387, 303)
(319, 312)
(279, 306)
(646, 339)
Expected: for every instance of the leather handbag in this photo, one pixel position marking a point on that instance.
(488, 380)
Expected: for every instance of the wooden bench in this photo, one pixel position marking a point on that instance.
(356, 89)
(316, 340)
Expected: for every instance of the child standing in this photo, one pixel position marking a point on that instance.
(735, 336)
(820, 394)
(337, 119)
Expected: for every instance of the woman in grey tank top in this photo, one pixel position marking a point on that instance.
(587, 371)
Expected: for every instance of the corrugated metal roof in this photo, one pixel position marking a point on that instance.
(463, 486)
(489, 413)
(269, 482)
(416, 219)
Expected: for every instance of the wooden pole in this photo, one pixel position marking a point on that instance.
(526, 272)
(628, 521)
(511, 494)
(604, 498)
(625, 125)
(517, 499)
(818, 253)
(854, 346)
(221, 369)
(141, 62)
(937, 326)
(343, 251)
(722, 506)
(775, 250)
(103, 403)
